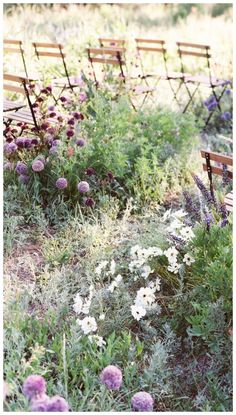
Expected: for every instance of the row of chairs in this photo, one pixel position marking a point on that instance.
(112, 53)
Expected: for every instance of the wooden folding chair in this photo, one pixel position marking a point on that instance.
(110, 42)
(157, 47)
(197, 51)
(55, 50)
(18, 85)
(15, 47)
(224, 166)
(115, 57)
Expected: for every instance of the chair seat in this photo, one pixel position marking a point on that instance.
(63, 82)
(203, 79)
(20, 116)
(139, 89)
(229, 202)
(9, 105)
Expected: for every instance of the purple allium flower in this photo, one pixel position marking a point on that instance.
(89, 202)
(111, 377)
(51, 108)
(9, 166)
(70, 133)
(34, 141)
(142, 402)
(34, 385)
(45, 125)
(76, 115)
(83, 187)
(226, 116)
(28, 142)
(21, 168)
(37, 165)
(228, 91)
(83, 97)
(49, 88)
(20, 141)
(53, 150)
(10, 148)
(23, 178)
(80, 142)
(52, 114)
(40, 403)
(63, 99)
(57, 404)
(71, 121)
(110, 175)
(56, 143)
(90, 171)
(61, 183)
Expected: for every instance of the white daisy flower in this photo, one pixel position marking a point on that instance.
(146, 271)
(134, 250)
(176, 224)
(138, 312)
(88, 324)
(112, 286)
(171, 254)
(100, 267)
(174, 267)
(187, 233)
(179, 213)
(145, 297)
(166, 215)
(97, 339)
(102, 316)
(188, 259)
(155, 251)
(158, 284)
(118, 278)
(86, 306)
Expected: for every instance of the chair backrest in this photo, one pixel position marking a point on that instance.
(106, 56)
(195, 51)
(220, 159)
(110, 42)
(151, 46)
(19, 85)
(13, 46)
(49, 50)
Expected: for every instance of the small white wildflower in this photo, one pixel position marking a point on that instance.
(145, 297)
(138, 312)
(187, 233)
(176, 224)
(166, 215)
(86, 306)
(174, 267)
(155, 251)
(119, 278)
(134, 250)
(100, 267)
(171, 254)
(158, 284)
(77, 306)
(102, 316)
(179, 213)
(112, 267)
(146, 271)
(88, 324)
(112, 286)
(188, 259)
(97, 339)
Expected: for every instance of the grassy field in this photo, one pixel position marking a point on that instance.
(127, 260)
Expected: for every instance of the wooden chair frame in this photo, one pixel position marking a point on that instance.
(19, 85)
(15, 46)
(112, 56)
(212, 169)
(55, 50)
(203, 52)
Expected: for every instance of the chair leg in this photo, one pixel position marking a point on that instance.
(191, 96)
(218, 101)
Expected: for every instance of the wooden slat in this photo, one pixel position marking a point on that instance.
(14, 88)
(17, 116)
(107, 61)
(105, 39)
(218, 157)
(11, 105)
(15, 78)
(201, 55)
(12, 42)
(145, 48)
(217, 170)
(47, 45)
(193, 45)
(106, 51)
(229, 208)
(12, 50)
(229, 196)
(150, 41)
(51, 54)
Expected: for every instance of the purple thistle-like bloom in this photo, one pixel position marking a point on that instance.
(39, 404)
(33, 386)
(61, 183)
(228, 91)
(9, 166)
(53, 150)
(34, 141)
(37, 165)
(83, 97)
(89, 202)
(110, 175)
(28, 142)
(57, 404)
(206, 195)
(111, 377)
(24, 179)
(21, 168)
(70, 133)
(10, 148)
(83, 187)
(142, 402)
(20, 141)
(90, 171)
(76, 115)
(80, 142)
(63, 99)
(226, 116)
(56, 143)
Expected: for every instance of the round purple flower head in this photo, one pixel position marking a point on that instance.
(10, 148)
(70, 133)
(61, 183)
(28, 142)
(142, 402)
(83, 187)
(34, 385)
(80, 142)
(57, 404)
(89, 202)
(56, 143)
(39, 404)
(8, 166)
(20, 141)
(37, 165)
(111, 377)
(90, 171)
(53, 150)
(23, 178)
(21, 168)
